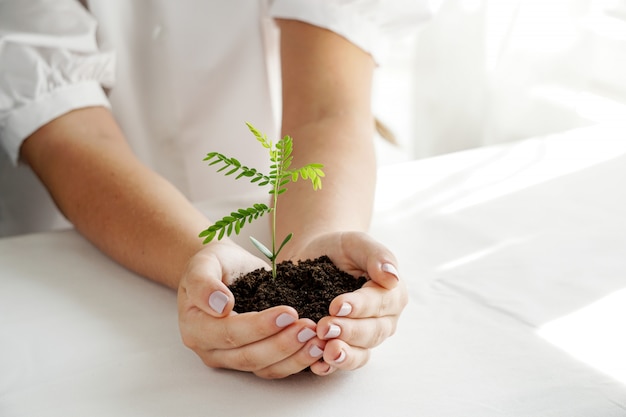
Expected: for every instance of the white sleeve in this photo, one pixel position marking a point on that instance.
(369, 24)
(49, 65)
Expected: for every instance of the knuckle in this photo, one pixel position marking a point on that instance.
(210, 361)
(244, 361)
(285, 349)
(365, 359)
(228, 338)
(383, 306)
(189, 341)
(381, 332)
(393, 326)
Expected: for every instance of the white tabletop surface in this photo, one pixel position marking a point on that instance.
(515, 258)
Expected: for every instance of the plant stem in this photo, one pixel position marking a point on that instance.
(277, 181)
(274, 254)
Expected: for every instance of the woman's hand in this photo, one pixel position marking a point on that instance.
(273, 343)
(362, 319)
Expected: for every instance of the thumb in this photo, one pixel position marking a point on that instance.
(203, 286)
(373, 257)
(383, 271)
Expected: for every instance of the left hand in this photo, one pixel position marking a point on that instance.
(362, 319)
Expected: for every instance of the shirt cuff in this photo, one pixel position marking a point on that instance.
(369, 27)
(25, 120)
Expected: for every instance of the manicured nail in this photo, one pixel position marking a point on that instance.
(341, 358)
(344, 310)
(217, 301)
(315, 351)
(285, 320)
(305, 335)
(333, 331)
(327, 370)
(390, 269)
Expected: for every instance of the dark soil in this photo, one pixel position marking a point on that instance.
(308, 286)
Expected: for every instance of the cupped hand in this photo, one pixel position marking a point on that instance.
(273, 343)
(362, 319)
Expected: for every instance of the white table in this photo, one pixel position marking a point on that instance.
(515, 257)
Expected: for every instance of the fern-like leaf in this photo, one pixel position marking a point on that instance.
(233, 222)
(267, 144)
(215, 158)
(312, 172)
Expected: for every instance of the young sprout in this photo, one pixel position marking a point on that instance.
(279, 177)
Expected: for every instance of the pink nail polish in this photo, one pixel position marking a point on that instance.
(315, 351)
(389, 268)
(333, 332)
(284, 320)
(305, 335)
(341, 358)
(217, 301)
(344, 310)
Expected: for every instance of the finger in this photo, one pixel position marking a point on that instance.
(338, 354)
(203, 286)
(372, 257)
(261, 354)
(307, 356)
(363, 333)
(236, 330)
(322, 368)
(371, 300)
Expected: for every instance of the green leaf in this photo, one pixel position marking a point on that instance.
(285, 240)
(208, 234)
(263, 249)
(209, 156)
(259, 136)
(246, 172)
(233, 222)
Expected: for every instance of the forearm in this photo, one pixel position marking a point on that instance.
(125, 209)
(345, 146)
(327, 110)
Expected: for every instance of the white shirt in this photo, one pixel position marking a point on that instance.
(184, 76)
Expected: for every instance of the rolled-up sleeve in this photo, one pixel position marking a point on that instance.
(369, 24)
(50, 64)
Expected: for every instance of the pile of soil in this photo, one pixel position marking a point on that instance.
(308, 286)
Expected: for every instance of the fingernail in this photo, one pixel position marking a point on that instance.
(217, 301)
(328, 370)
(315, 351)
(285, 320)
(333, 331)
(341, 358)
(305, 335)
(390, 269)
(344, 310)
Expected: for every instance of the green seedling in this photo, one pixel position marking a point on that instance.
(279, 177)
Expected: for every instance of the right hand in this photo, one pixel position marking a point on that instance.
(272, 343)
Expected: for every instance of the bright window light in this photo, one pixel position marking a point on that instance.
(594, 335)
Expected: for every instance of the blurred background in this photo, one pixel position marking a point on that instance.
(482, 72)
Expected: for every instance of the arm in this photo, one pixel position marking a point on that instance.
(125, 209)
(326, 109)
(143, 222)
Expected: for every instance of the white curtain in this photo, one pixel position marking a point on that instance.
(490, 71)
